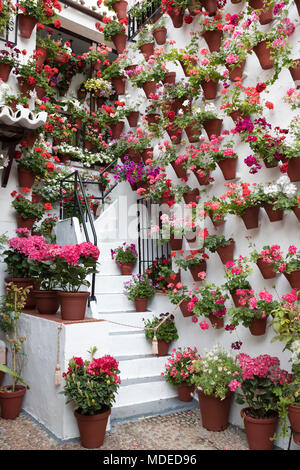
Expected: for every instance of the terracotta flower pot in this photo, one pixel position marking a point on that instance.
(266, 269)
(226, 252)
(193, 132)
(258, 326)
(259, 431)
(213, 39)
(210, 89)
(228, 167)
(141, 304)
(293, 278)
(92, 428)
(40, 92)
(152, 119)
(194, 8)
(295, 72)
(133, 118)
(175, 243)
(296, 211)
(72, 305)
(25, 222)
(170, 78)
(217, 322)
(191, 196)
(47, 302)
(160, 35)
(237, 115)
(203, 176)
(119, 41)
(41, 55)
(88, 145)
(196, 269)
(185, 66)
(250, 217)
(214, 411)
(294, 169)
(146, 154)
(174, 279)
(163, 347)
(126, 269)
(26, 25)
(25, 177)
(294, 418)
(177, 17)
(5, 70)
(11, 402)
(25, 87)
(119, 84)
(210, 6)
(298, 5)
(266, 15)
(274, 215)
(179, 170)
(116, 129)
(184, 309)
(133, 155)
(149, 88)
(185, 392)
(25, 282)
(236, 72)
(213, 127)
(147, 50)
(175, 134)
(235, 298)
(264, 55)
(120, 8)
(36, 197)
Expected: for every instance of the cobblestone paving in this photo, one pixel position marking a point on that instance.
(178, 431)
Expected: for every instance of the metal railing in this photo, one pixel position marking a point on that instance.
(148, 14)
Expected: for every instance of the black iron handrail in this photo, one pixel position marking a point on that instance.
(134, 24)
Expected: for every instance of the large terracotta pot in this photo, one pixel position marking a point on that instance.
(213, 127)
(175, 134)
(264, 55)
(119, 41)
(258, 326)
(185, 392)
(146, 154)
(203, 177)
(47, 302)
(217, 322)
(177, 17)
(196, 269)
(266, 269)
(141, 304)
(210, 89)
(40, 92)
(213, 39)
(294, 169)
(119, 84)
(226, 252)
(116, 129)
(72, 305)
(176, 279)
(26, 25)
(25, 177)
(274, 215)
(149, 88)
(5, 70)
(133, 155)
(169, 78)
(184, 309)
(11, 402)
(228, 167)
(259, 431)
(214, 412)
(133, 118)
(147, 49)
(236, 72)
(126, 269)
(160, 35)
(152, 119)
(185, 66)
(294, 418)
(92, 428)
(41, 55)
(250, 217)
(293, 278)
(120, 8)
(25, 282)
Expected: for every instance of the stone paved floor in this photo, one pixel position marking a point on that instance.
(178, 431)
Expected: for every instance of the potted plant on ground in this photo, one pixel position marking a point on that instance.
(163, 329)
(140, 290)
(126, 257)
(213, 376)
(11, 396)
(92, 385)
(179, 371)
(256, 383)
(209, 301)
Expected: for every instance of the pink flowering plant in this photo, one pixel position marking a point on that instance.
(291, 262)
(91, 384)
(214, 373)
(209, 300)
(236, 274)
(179, 368)
(286, 318)
(252, 306)
(139, 287)
(124, 254)
(256, 383)
(270, 254)
(16, 254)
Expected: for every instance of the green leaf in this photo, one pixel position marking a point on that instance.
(7, 370)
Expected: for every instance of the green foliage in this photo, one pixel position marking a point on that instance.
(125, 254)
(179, 368)
(167, 331)
(211, 299)
(139, 287)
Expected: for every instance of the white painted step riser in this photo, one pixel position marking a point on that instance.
(131, 345)
(131, 318)
(144, 392)
(108, 267)
(113, 302)
(107, 246)
(139, 368)
(110, 284)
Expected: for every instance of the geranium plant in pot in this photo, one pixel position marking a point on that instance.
(11, 396)
(115, 31)
(161, 328)
(241, 102)
(162, 274)
(179, 294)
(179, 371)
(244, 202)
(33, 12)
(256, 383)
(27, 211)
(277, 196)
(140, 290)
(209, 301)
(91, 385)
(213, 376)
(290, 266)
(220, 244)
(195, 262)
(236, 277)
(9, 58)
(126, 257)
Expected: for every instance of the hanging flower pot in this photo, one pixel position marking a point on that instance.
(100, 100)
(120, 8)
(174, 134)
(213, 127)
(163, 347)
(296, 211)
(119, 41)
(92, 428)
(250, 217)
(152, 118)
(237, 115)
(266, 269)
(263, 54)
(274, 215)
(174, 279)
(36, 197)
(298, 6)
(25, 177)
(228, 167)
(25, 87)
(132, 118)
(259, 431)
(265, 16)
(5, 70)
(72, 305)
(11, 402)
(236, 298)
(146, 154)
(191, 236)
(170, 78)
(236, 1)
(26, 25)
(294, 169)
(25, 222)
(47, 302)
(294, 418)
(141, 304)
(119, 84)
(160, 35)
(202, 175)
(41, 55)
(213, 39)
(147, 49)
(196, 269)
(210, 89)
(295, 72)
(270, 164)
(258, 326)
(175, 243)
(236, 72)
(185, 392)
(191, 196)
(133, 155)
(210, 6)
(185, 66)
(40, 92)
(217, 322)
(177, 17)
(149, 88)
(88, 145)
(226, 252)
(179, 170)
(184, 309)
(126, 269)
(116, 129)
(214, 411)
(194, 8)
(193, 132)
(78, 122)
(293, 278)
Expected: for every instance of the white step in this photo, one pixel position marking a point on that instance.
(110, 284)
(141, 367)
(113, 302)
(132, 344)
(144, 392)
(130, 317)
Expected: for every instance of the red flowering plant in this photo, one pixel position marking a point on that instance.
(194, 258)
(239, 197)
(91, 384)
(286, 320)
(27, 72)
(43, 10)
(7, 9)
(37, 160)
(160, 271)
(179, 367)
(209, 300)
(28, 209)
(256, 382)
(216, 209)
(270, 254)
(199, 161)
